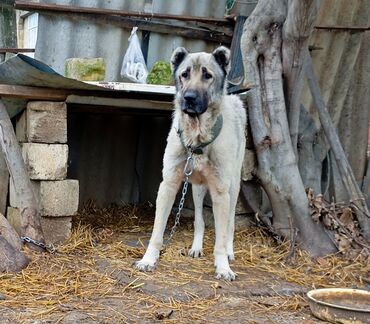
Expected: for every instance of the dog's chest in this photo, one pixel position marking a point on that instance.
(204, 168)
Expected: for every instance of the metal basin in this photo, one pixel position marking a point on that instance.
(339, 305)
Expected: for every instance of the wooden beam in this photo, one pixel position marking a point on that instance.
(26, 5)
(17, 50)
(345, 28)
(32, 93)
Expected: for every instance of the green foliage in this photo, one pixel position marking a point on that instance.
(160, 74)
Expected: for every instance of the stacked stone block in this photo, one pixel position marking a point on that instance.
(42, 133)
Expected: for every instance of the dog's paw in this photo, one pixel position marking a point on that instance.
(144, 265)
(195, 253)
(226, 274)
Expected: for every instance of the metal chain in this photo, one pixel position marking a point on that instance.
(50, 248)
(188, 171)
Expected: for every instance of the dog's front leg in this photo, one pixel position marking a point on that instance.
(199, 192)
(165, 199)
(221, 212)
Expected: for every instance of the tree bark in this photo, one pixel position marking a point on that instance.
(30, 219)
(277, 165)
(296, 32)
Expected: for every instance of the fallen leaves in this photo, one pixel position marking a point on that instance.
(340, 220)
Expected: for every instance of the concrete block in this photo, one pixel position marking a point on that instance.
(43, 122)
(46, 161)
(85, 69)
(13, 216)
(56, 198)
(56, 229)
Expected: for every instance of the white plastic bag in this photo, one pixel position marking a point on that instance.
(133, 64)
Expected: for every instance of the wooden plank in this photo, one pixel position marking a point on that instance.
(120, 103)
(51, 94)
(126, 86)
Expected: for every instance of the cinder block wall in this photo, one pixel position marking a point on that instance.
(42, 133)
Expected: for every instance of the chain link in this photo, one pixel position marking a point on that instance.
(188, 171)
(50, 248)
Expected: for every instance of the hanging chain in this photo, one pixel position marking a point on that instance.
(188, 171)
(50, 248)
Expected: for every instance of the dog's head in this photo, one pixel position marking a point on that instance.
(200, 78)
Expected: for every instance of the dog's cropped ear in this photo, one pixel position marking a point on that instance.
(177, 57)
(222, 57)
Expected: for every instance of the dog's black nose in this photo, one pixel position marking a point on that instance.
(190, 97)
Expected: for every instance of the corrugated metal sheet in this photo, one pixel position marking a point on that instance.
(60, 37)
(342, 64)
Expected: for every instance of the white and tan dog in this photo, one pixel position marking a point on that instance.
(210, 125)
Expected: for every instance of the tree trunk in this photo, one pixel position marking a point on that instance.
(277, 165)
(296, 32)
(30, 219)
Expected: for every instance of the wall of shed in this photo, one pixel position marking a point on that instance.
(60, 37)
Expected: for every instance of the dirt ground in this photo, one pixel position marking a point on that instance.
(90, 279)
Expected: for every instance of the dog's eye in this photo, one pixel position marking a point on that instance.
(185, 74)
(207, 76)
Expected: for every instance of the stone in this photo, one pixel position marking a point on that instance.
(85, 69)
(45, 161)
(43, 122)
(56, 229)
(56, 198)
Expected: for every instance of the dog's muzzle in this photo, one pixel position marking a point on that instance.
(193, 103)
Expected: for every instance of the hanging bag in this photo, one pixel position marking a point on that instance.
(133, 64)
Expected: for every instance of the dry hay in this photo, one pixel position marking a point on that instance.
(72, 279)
